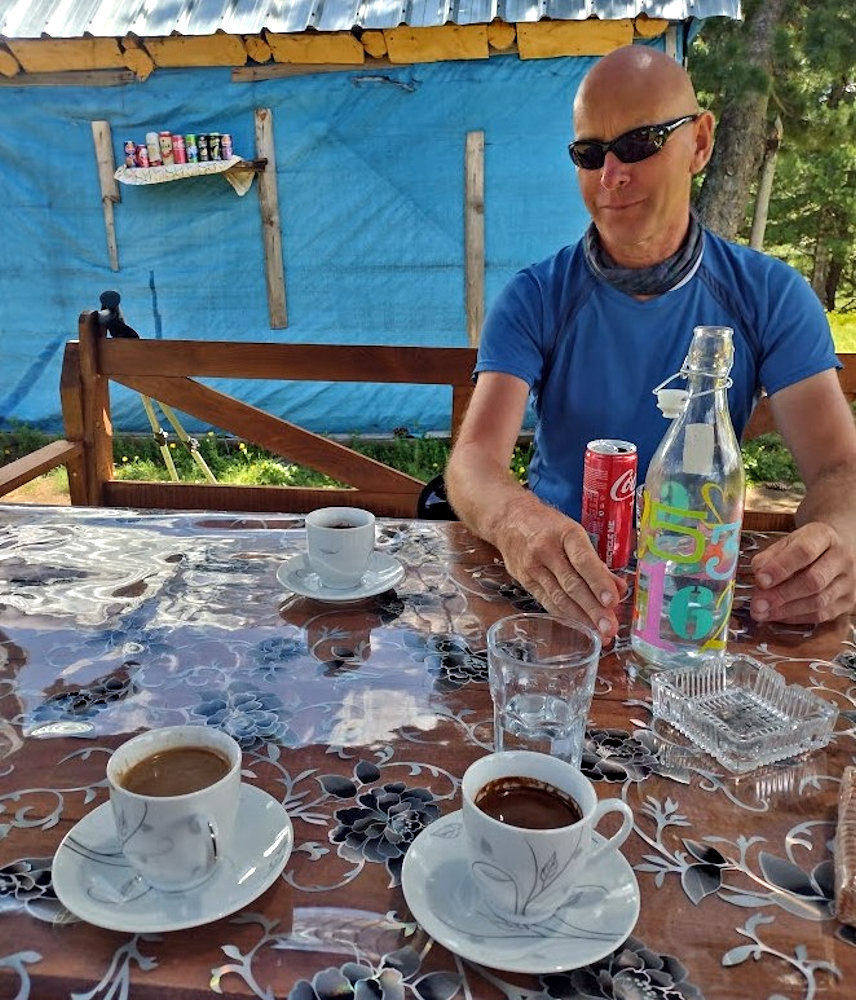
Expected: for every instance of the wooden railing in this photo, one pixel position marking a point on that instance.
(167, 371)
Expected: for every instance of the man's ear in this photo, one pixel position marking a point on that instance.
(703, 127)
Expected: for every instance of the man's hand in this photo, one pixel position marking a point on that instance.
(551, 556)
(809, 576)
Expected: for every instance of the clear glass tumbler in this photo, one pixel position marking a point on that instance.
(542, 673)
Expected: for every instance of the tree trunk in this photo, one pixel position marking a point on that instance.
(765, 185)
(836, 269)
(741, 134)
(820, 268)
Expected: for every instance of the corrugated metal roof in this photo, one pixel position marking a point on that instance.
(159, 18)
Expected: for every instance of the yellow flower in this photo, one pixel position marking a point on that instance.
(124, 458)
(172, 444)
(242, 447)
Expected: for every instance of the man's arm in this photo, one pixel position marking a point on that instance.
(547, 552)
(810, 575)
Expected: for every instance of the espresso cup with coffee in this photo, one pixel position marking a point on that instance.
(529, 820)
(174, 793)
(339, 542)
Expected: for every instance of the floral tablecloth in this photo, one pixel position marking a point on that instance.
(360, 718)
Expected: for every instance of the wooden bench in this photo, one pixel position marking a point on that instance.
(167, 371)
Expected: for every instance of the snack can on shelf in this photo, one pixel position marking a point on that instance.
(609, 495)
(226, 146)
(214, 145)
(202, 147)
(153, 149)
(179, 154)
(190, 149)
(130, 153)
(142, 156)
(165, 139)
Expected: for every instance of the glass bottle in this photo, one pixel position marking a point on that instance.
(689, 532)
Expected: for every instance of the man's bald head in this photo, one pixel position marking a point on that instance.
(645, 83)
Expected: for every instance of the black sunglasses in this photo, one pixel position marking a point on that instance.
(635, 145)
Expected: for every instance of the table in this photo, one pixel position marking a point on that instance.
(114, 621)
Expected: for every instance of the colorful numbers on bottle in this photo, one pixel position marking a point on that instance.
(685, 573)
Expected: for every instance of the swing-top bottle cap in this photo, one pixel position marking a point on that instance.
(672, 402)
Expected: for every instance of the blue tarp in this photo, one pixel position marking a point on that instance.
(370, 176)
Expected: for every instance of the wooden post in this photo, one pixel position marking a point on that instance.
(71, 399)
(271, 230)
(474, 235)
(97, 425)
(102, 138)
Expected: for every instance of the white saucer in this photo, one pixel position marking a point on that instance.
(384, 571)
(443, 898)
(94, 881)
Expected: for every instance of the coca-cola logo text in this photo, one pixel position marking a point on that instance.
(624, 487)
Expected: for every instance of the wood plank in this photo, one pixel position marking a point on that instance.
(273, 499)
(106, 164)
(271, 228)
(197, 50)
(299, 362)
(71, 401)
(474, 234)
(768, 520)
(279, 71)
(321, 47)
(53, 55)
(98, 427)
(436, 44)
(24, 470)
(592, 37)
(9, 65)
(284, 439)
(80, 78)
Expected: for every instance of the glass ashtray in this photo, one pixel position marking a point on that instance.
(742, 712)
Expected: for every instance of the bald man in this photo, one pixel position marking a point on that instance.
(592, 330)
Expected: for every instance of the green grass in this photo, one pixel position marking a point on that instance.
(843, 331)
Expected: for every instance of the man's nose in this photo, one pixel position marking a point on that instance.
(613, 173)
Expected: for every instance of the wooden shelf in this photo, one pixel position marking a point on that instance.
(183, 171)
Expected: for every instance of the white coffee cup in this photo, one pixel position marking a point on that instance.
(174, 841)
(524, 875)
(339, 542)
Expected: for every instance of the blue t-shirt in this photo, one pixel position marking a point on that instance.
(591, 355)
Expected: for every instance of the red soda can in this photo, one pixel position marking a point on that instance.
(142, 155)
(179, 152)
(609, 495)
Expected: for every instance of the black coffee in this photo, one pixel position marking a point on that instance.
(528, 803)
(341, 524)
(176, 771)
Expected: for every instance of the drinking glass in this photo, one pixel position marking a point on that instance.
(542, 672)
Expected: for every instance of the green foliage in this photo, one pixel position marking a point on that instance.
(768, 461)
(812, 87)
(843, 331)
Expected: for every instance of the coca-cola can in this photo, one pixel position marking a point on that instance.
(609, 496)
(179, 153)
